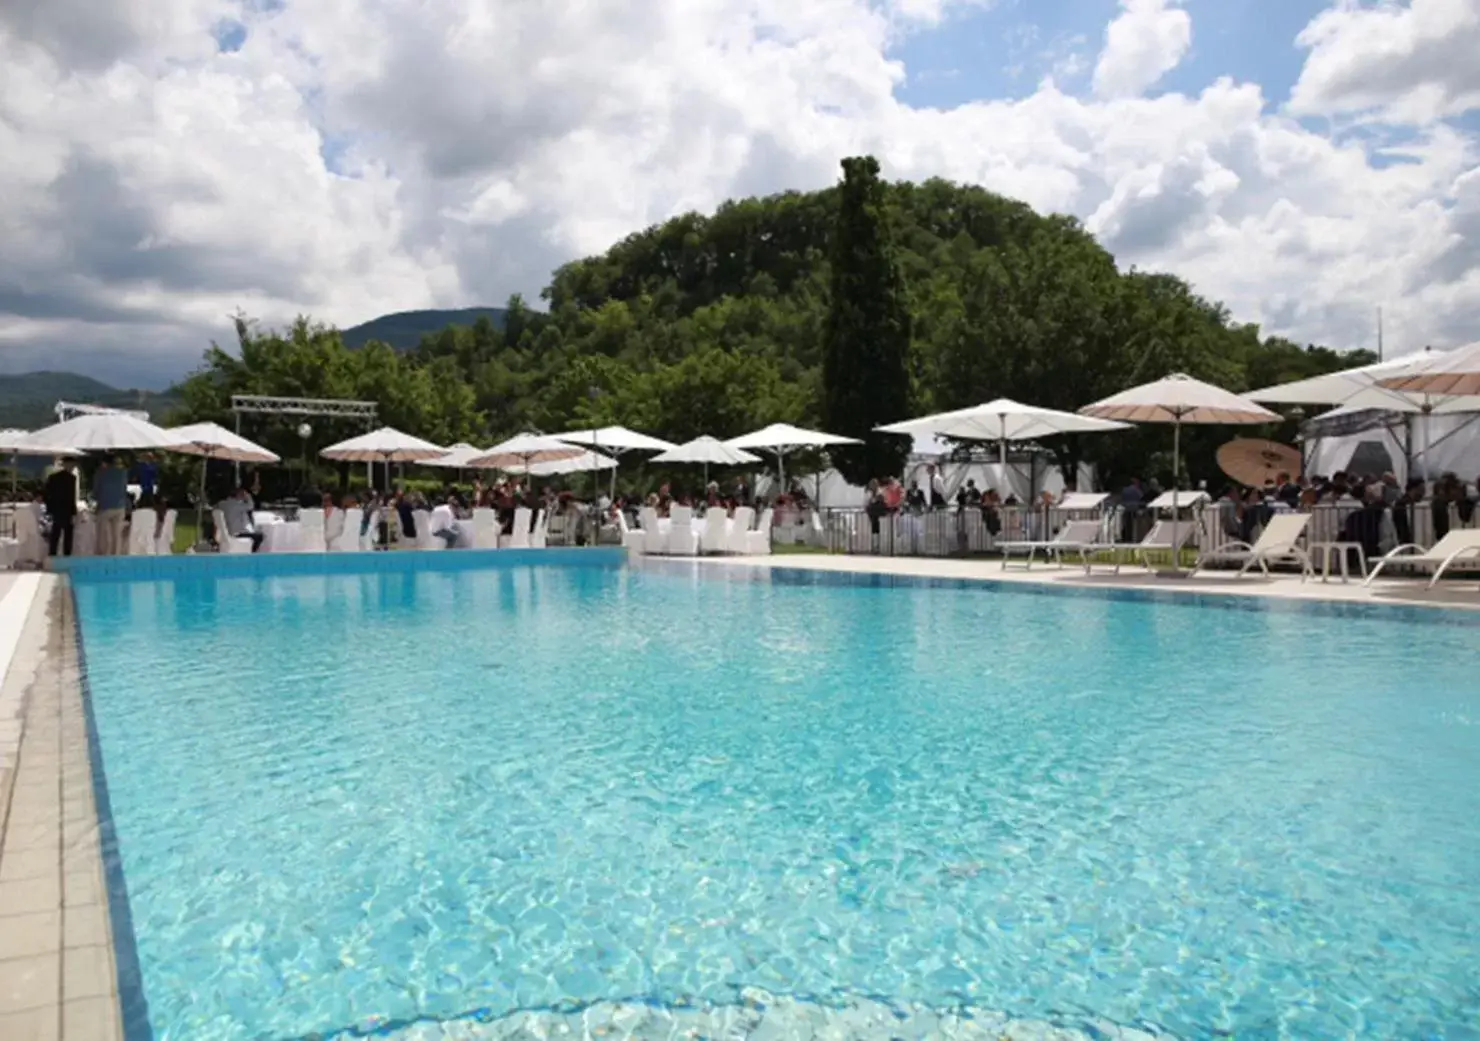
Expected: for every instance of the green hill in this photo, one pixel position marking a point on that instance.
(404, 329)
(29, 400)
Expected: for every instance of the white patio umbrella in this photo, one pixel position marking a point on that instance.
(524, 450)
(780, 438)
(1455, 373)
(102, 432)
(457, 457)
(15, 444)
(707, 451)
(212, 441)
(586, 462)
(615, 441)
(1002, 420)
(1179, 399)
(386, 445)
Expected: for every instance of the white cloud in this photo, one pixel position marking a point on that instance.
(1408, 63)
(1145, 42)
(150, 185)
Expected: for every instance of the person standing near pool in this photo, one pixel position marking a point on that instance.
(59, 495)
(110, 492)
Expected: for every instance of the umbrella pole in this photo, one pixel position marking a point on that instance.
(15, 470)
(781, 470)
(1176, 514)
(201, 501)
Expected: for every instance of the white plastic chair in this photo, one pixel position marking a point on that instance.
(371, 530)
(714, 536)
(485, 528)
(518, 537)
(654, 538)
(164, 542)
(141, 534)
(683, 540)
(229, 543)
(347, 537)
(633, 540)
(311, 532)
(740, 528)
(29, 547)
(424, 537)
(758, 542)
(540, 533)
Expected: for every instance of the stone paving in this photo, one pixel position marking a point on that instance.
(57, 973)
(1457, 594)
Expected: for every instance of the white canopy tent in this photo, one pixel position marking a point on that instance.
(1434, 414)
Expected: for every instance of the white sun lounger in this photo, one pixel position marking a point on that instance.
(1075, 537)
(1459, 544)
(1278, 542)
(1157, 540)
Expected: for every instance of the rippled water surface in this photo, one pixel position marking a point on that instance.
(356, 801)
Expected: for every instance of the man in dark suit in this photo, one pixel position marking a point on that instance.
(60, 499)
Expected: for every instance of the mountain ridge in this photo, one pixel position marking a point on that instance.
(28, 399)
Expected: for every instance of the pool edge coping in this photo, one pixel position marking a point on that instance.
(61, 977)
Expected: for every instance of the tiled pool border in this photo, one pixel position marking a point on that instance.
(1248, 595)
(59, 977)
(266, 565)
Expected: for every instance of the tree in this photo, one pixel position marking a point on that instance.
(866, 370)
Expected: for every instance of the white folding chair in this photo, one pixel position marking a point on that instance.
(311, 537)
(758, 542)
(539, 534)
(141, 534)
(683, 540)
(229, 543)
(654, 538)
(740, 529)
(485, 528)
(714, 536)
(518, 537)
(164, 542)
(346, 538)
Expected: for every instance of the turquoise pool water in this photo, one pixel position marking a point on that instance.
(356, 802)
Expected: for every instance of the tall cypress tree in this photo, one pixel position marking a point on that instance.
(866, 345)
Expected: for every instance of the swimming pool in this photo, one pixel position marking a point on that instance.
(377, 801)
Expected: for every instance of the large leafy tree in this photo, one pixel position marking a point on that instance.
(866, 372)
(826, 309)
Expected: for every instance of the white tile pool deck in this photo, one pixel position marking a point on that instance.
(1463, 595)
(58, 979)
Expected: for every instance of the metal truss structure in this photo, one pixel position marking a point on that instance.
(66, 410)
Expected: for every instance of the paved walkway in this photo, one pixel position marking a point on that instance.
(1461, 594)
(57, 974)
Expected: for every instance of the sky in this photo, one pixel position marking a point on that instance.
(166, 163)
